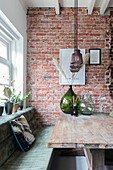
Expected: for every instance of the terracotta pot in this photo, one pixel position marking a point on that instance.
(20, 106)
(15, 107)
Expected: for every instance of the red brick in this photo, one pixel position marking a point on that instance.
(47, 34)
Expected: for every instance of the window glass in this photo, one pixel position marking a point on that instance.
(4, 74)
(3, 50)
(1, 94)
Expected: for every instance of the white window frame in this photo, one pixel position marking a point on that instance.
(16, 52)
(8, 61)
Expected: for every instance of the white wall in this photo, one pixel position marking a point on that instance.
(14, 11)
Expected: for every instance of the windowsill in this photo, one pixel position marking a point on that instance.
(6, 118)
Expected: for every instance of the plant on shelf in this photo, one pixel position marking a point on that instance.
(18, 102)
(12, 102)
(8, 102)
(15, 100)
(8, 93)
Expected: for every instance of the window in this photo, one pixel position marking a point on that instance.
(11, 56)
(5, 60)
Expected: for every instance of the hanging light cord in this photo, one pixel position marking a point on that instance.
(75, 24)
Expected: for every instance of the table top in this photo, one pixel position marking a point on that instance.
(93, 132)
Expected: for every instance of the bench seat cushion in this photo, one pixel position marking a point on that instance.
(22, 133)
(37, 158)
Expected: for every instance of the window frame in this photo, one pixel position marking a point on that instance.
(7, 41)
(17, 51)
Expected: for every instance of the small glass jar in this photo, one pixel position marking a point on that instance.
(87, 105)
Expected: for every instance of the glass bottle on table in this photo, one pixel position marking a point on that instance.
(87, 105)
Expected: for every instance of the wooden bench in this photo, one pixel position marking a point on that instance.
(37, 158)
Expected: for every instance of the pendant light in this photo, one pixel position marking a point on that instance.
(76, 58)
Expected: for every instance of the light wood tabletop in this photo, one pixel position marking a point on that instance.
(93, 132)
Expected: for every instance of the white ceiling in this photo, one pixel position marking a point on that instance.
(90, 4)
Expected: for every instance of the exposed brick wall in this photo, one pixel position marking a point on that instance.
(47, 34)
(111, 55)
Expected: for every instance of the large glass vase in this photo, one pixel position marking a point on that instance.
(87, 105)
(66, 103)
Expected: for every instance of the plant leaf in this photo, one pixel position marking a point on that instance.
(7, 92)
(25, 97)
(7, 100)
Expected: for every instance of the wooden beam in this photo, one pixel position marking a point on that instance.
(104, 6)
(91, 6)
(57, 7)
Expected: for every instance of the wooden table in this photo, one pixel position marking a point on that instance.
(93, 132)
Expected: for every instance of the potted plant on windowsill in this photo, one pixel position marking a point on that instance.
(15, 99)
(8, 105)
(20, 106)
(18, 102)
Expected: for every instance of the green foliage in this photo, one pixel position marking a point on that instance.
(17, 100)
(11, 97)
(25, 97)
(7, 100)
(7, 92)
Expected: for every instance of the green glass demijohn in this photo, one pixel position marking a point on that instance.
(66, 103)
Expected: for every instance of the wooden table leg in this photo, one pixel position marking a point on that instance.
(97, 159)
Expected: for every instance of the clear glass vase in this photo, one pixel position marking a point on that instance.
(87, 105)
